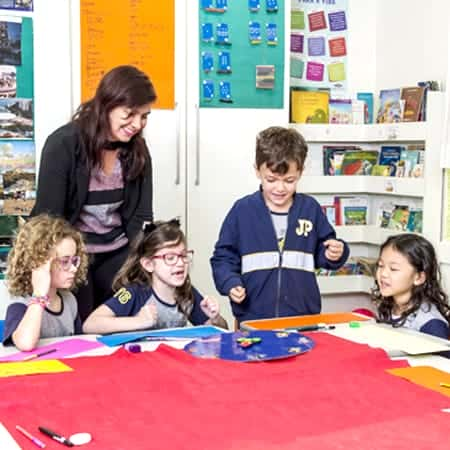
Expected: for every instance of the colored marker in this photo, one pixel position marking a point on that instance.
(447, 385)
(312, 328)
(55, 436)
(30, 436)
(38, 355)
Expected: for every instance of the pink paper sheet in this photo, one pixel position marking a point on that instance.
(63, 348)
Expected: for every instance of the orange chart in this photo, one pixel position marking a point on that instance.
(136, 32)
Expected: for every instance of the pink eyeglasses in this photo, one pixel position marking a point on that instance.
(172, 258)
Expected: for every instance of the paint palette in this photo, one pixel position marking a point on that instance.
(246, 346)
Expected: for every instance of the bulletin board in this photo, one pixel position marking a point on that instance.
(241, 53)
(138, 32)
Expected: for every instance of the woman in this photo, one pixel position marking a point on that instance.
(96, 172)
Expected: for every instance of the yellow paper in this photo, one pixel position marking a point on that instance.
(12, 369)
(336, 72)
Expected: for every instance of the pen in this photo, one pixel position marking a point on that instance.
(38, 355)
(447, 385)
(311, 328)
(57, 437)
(30, 436)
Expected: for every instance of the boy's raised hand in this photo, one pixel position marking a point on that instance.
(334, 249)
(237, 294)
(41, 278)
(148, 314)
(210, 306)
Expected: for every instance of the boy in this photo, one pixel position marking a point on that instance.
(272, 240)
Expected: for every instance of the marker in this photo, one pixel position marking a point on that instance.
(30, 436)
(38, 355)
(447, 385)
(55, 436)
(312, 328)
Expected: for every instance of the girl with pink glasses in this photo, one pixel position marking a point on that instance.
(47, 261)
(153, 288)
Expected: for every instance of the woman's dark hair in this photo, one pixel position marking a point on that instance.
(122, 86)
(154, 237)
(421, 255)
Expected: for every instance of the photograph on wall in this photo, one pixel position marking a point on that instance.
(8, 81)
(318, 47)
(21, 5)
(10, 41)
(16, 118)
(17, 156)
(241, 54)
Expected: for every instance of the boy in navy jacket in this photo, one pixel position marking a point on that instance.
(272, 241)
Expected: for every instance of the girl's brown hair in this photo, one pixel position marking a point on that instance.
(122, 86)
(155, 237)
(32, 246)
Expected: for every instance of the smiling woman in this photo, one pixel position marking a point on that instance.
(96, 172)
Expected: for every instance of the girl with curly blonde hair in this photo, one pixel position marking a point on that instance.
(48, 259)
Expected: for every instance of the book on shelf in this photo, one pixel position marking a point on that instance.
(359, 112)
(411, 162)
(389, 156)
(384, 214)
(399, 218)
(415, 220)
(413, 97)
(309, 106)
(355, 265)
(359, 162)
(379, 170)
(329, 208)
(351, 210)
(391, 106)
(367, 98)
(333, 156)
(340, 111)
(428, 86)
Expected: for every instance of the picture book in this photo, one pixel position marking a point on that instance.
(399, 218)
(415, 220)
(412, 162)
(359, 162)
(381, 171)
(359, 112)
(428, 86)
(384, 214)
(309, 106)
(390, 109)
(367, 98)
(352, 210)
(333, 157)
(389, 156)
(413, 97)
(340, 111)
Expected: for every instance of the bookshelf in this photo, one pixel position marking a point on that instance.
(365, 239)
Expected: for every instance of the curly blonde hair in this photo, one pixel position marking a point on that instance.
(32, 246)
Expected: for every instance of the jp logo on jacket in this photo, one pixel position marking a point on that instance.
(304, 227)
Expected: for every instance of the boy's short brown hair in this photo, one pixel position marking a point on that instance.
(277, 147)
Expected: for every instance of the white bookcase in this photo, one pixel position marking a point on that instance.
(364, 240)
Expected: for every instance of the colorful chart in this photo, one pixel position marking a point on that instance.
(251, 345)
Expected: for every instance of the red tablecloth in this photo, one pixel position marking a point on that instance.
(338, 396)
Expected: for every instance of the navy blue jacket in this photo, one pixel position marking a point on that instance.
(247, 254)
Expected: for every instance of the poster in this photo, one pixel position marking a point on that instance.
(318, 44)
(136, 32)
(241, 53)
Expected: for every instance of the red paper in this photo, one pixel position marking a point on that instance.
(336, 396)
